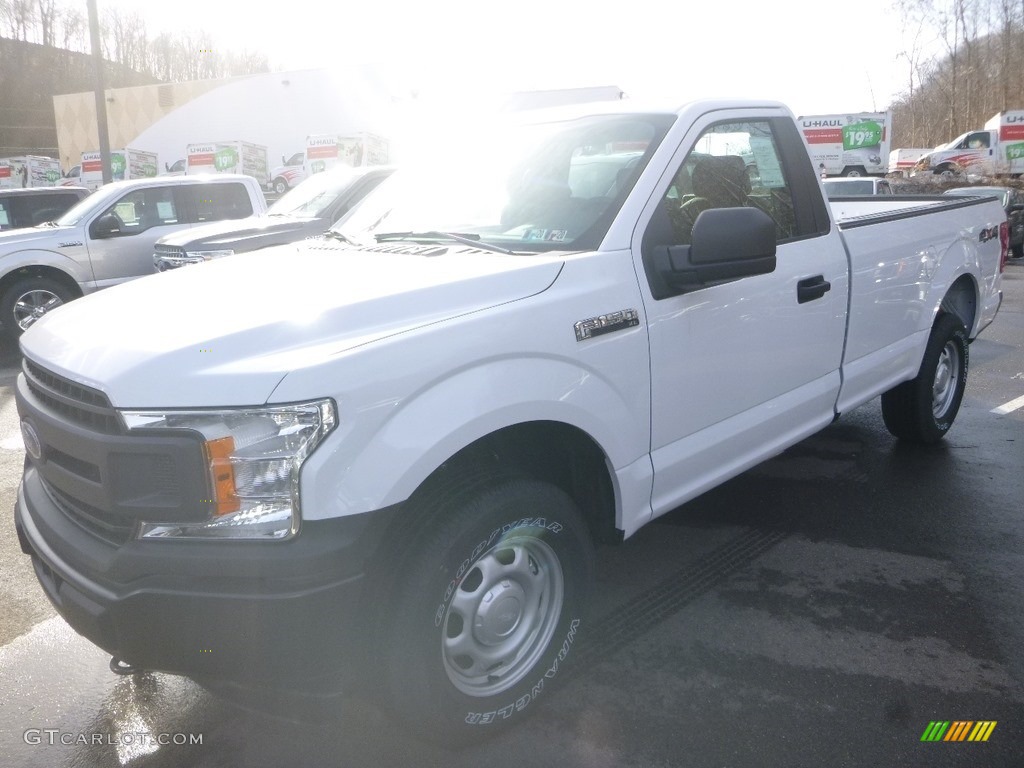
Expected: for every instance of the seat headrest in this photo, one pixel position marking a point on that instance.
(721, 179)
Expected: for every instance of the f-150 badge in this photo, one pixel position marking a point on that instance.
(613, 321)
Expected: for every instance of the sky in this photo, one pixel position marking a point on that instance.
(816, 57)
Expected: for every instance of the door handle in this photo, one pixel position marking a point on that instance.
(812, 288)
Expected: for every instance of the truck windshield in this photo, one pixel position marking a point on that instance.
(97, 201)
(532, 188)
(314, 195)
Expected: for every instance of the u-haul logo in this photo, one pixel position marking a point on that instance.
(323, 141)
(822, 123)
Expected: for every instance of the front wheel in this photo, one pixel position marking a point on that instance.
(280, 186)
(923, 409)
(487, 607)
(28, 299)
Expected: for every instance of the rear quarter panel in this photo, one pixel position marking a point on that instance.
(905, 254)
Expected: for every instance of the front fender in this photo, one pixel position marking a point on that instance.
(43, 257)
(418, 435)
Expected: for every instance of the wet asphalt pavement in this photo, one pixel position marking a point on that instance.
(819, 610)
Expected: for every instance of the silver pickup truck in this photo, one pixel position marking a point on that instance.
(108, 238)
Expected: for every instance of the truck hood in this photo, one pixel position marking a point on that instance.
(14, 239)
(227, 331)
(246, 234)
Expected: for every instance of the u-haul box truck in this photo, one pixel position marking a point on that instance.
(997, 150)
(125, 164)
(851, 144)
(228, 157)
(29, 171)
(361, 149)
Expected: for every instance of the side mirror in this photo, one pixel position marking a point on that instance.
(107, 225)
(728, 244)
(167, 166)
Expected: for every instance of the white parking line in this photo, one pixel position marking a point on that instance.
(1009, 407)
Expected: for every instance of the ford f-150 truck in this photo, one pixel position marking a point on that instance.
(108, 238)
(382, 461)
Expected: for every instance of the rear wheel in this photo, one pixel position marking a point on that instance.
(855, 170)
(923, 409)
(485, 611)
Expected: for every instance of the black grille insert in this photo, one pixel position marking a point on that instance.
(79, 404)
(113, 529)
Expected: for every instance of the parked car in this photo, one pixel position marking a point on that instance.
(36, 205)
(306, 211)
(108, 238)
(1012, 200)
(856, 186)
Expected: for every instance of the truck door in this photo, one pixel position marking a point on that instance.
(121, 238)
(744, 368)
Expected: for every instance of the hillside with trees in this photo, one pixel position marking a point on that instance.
(44, 51)
(976, 71)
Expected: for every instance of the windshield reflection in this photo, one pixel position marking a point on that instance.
(535, 187)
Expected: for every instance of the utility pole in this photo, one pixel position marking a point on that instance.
(101, 100)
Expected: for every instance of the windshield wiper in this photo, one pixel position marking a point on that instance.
(458, 237)
(335, 235)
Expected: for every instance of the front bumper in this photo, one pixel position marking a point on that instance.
(274, 614)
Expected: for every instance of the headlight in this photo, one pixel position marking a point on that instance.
(208, 255)
(254, 456)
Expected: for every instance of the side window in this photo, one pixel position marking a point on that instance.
(50, 207)
(978, 140)
(732, 164)
(215, 202)
(6, 216)
(136, 212)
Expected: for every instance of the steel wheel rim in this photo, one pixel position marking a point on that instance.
(947, 372)
(33, 304)
(502, 616)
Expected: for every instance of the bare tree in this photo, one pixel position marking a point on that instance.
(19, 18)
(47, 13)
(72, 24)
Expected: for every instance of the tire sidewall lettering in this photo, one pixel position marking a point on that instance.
(536, 689)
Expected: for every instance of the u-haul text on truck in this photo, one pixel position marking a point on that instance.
(853, 144)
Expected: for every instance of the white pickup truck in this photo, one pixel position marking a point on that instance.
(108, 238)
(383, 460)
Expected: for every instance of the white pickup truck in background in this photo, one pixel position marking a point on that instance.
(108, 238)
(382, 461)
